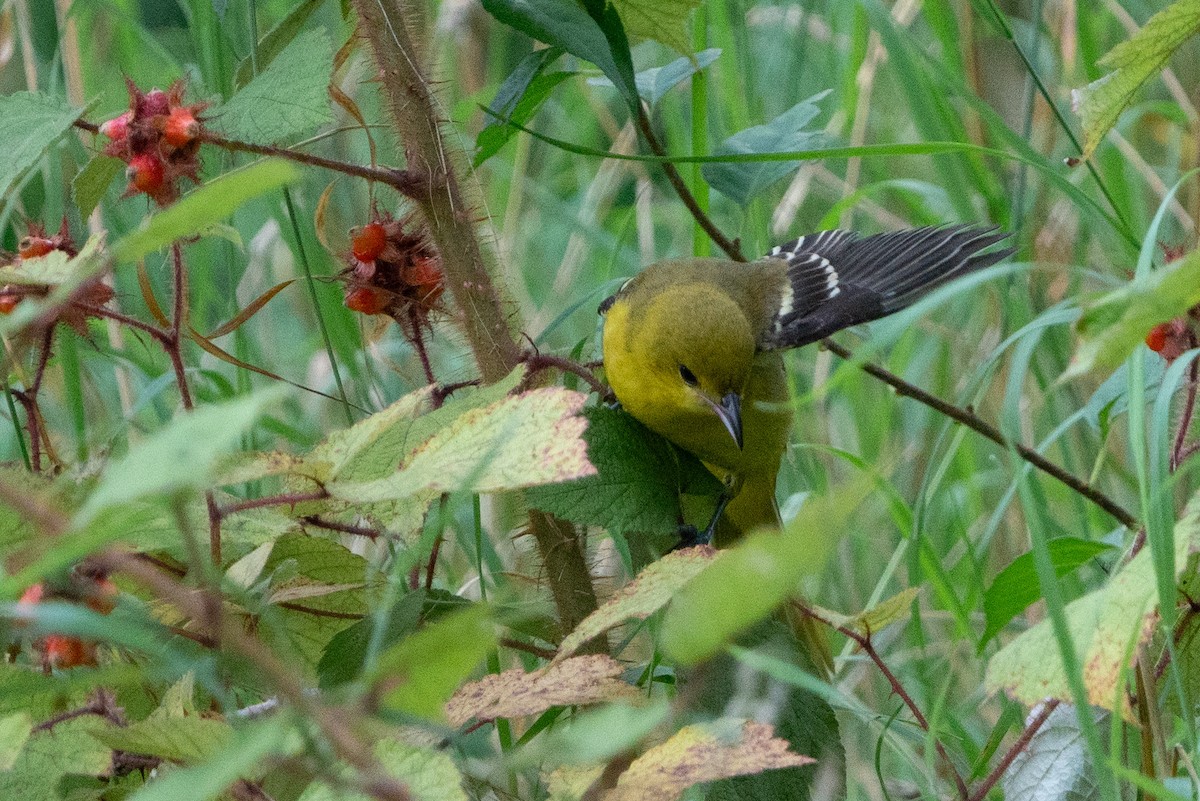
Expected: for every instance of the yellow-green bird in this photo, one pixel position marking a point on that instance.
(692, 347)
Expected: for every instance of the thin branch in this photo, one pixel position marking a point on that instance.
(1179, 452)
(288, 499)
(864, 642)
(1022, 742)
(541, 653)
(974, 422)
(724, 243)
(537, 362)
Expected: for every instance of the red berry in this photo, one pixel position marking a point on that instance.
(33, 246)
(117, 128)
(8, 303)
(103, 596)
(181, 128)
(1157, 338)
(146, 173)
(425, 277)
(367, 300)
(368, 242)
(60, 651)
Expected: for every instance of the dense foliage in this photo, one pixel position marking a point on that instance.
(314, 488)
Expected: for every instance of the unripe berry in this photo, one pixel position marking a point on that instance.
(117, 128)
(156, 102)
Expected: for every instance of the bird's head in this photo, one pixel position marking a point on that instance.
(689, 358)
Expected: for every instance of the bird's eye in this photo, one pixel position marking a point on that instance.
(688, 376)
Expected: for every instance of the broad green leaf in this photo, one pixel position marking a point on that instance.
(30, 124)
(1106, 627)
(1055, 765)
(565, 24)
(211, 203)
(743, 181)
(518, 99)
(662, 20)
(67, 750)
(175, 738)
(426, 773)
(650, 591)
(1133, 62)
(346, 653)
(1116, 323)
(654, 83)
(577, 681)
(756, 576)
(180, 456)
(639, 480)
(497, 134)
(14, 731)
(419, 674)
(705, 753)
(285, 100)
(1016, 587)
(92, 182)
(239, 757)
(275, 40)
(519, 441)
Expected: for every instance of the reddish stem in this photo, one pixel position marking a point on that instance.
(984, 787)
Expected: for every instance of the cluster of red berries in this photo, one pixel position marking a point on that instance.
(393, 271)
(35, 244)
(60, 651)
(158, 137)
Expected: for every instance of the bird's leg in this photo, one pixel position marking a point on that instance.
(689, 536)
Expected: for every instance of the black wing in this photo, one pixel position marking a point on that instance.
(838, 279)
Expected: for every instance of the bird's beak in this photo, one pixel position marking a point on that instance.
(729, 410)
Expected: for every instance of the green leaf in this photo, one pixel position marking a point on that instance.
(654, 83)
(743, 181)
(92, 182)
(565, 24)
(1106, 626)
(1054, 766)
(68, 749)
(420, 674)
(180, 456)
(287, 99)
(346, 652)
(639, 482)
(1016, 587)
(30, 125)
(14, 731)
(176, 738)
(650, 591)
(1134, 62)
(534, 93)
(275, 40)
(427, 775)
(596, 735)
(238, 758)
(1112, 326)
(662, 20)
(211, 203)
(519, 441)
(757, 575)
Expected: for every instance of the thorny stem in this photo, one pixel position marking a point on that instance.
(418, 342)
(537, 362)
(178, 312)
(1180, 451)
(864, 642)
(288, 499)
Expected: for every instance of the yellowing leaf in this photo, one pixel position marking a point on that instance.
(878, 617)
(698, 754)
(515, 693)
(650, 591)
(1134, 62)
(519, 441)
(1106, 627)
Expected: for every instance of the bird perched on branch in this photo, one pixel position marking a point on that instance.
(692, 347)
